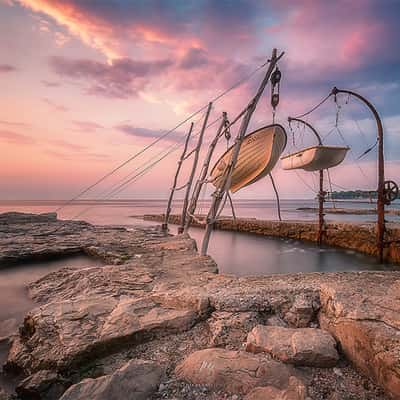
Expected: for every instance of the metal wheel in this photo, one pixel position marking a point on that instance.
(391, 191)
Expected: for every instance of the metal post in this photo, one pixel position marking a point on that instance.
(194, 166)
(321, 193)
(203, 174)
(321, 198)
(178, 169)
(380, 228)
(227, 178)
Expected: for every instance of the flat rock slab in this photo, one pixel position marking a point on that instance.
(364, 318)
(302, 346)
(136, 380)
(233, 371)
(63, 333)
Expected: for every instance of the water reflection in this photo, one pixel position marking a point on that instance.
(248, 254)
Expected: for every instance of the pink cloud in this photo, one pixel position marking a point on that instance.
(15, 138)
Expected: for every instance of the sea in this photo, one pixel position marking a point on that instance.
(236, 253)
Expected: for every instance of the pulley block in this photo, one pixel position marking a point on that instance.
(276, 77)
(274, 100)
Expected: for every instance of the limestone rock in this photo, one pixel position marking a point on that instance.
(302, 312)
(363, 315)
(233, 371)
(295, 391)
(44, 385)
(303, 346)
(63, 333)
(136, 380)
(228, 328)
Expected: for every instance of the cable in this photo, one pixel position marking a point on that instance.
(134, 178)
(315, 107)
(305, 183)
(215, 99)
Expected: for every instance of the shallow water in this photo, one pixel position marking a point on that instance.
(14, 299)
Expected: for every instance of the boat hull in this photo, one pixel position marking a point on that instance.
(259, 153)
(315, 158)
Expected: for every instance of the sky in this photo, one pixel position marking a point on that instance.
(86, 84)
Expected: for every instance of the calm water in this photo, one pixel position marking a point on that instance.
(236, 253)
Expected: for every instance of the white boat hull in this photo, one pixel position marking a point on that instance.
(259, 153)
(315, 158)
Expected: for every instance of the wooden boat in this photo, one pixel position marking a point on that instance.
(315, 158)
(259, 153)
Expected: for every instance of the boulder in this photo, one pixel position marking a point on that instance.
(363, 315)
(303, 346)
(233, 371)
(295, 391)
(136, 380)
(302, 312)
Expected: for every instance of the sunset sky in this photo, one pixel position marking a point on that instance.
(85, 84)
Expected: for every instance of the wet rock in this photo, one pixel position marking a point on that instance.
(84, 328)
(295, 391)
(303, 346)
(363, 315)
(231, 329)
(136, 380)
(233, 371)
(44, 385)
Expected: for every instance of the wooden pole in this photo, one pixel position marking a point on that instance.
(380, 227)
(227, 177)
(203, 174)
(178, 169)
(277, 196)
(194, 166)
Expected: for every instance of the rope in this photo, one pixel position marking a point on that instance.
(330, 185)
(305, 183)
(135, 177)
(315, 107)
(107, 175)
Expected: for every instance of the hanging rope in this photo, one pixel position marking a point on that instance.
(330, 185)
(315, 107)
(305, 183)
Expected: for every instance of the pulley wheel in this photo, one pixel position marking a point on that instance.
(390, 192)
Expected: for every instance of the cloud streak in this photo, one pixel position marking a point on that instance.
(15, 138)
(6, 68)
(123, 79)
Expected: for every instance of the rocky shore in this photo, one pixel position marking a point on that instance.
(158, 322)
